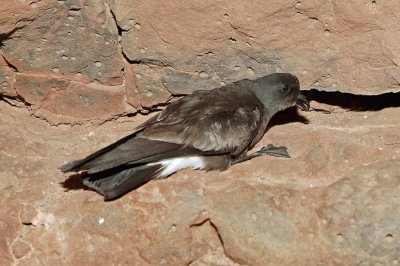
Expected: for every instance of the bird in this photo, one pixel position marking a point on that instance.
(207, 130)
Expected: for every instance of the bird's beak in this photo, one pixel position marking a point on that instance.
(303, 103)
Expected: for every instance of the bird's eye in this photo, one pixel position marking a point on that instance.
(285, 88)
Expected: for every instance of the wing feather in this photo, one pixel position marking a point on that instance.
(224, 120)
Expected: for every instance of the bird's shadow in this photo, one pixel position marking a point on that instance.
(74, 182)
(290, 115)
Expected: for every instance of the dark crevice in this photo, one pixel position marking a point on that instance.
(156, 107)
(75, 8)
(206, 53)
(348, 101)
(12, 99)
(139, 61)
(5, 36)
(200, 223)
(145, 109)
(14, 68)
(153, 62)
(354, 102)
(218, 234)
(237, 29)
(120, 30)
(150, 62)
(9, 100)
(213, 226)
(27, 223)
(215, 229)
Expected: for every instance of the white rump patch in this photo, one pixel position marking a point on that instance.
(170, 166)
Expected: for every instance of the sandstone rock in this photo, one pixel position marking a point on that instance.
(75, 65)
(141, 89)
(70, 98)
(65, 41)
(27, 215)
(359, 213)
(68, 39)
(20, 249)
(17, 15)
(35, 89)
(7, 180)
(158, 52)
(234, 41)
(328, 204)
(268, 230)
(6, 79)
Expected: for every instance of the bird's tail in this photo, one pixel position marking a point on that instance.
(126, 164)
(115, 183)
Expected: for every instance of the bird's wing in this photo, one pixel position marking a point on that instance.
(130, 150)
(223, 121)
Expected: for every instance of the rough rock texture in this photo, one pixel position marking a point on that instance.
(338, 45)
(335, 202)
(146, 51)
(65, 47)
(72, 71)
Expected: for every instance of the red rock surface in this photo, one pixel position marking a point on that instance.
(71, 71)
(333, 202)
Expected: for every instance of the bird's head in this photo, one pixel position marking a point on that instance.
(279, 91)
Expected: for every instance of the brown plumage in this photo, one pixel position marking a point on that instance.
(205, 130)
